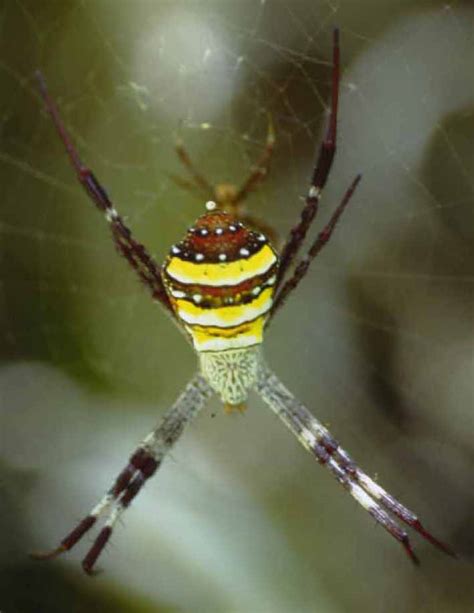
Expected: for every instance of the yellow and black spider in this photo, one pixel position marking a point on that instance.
(222, 284)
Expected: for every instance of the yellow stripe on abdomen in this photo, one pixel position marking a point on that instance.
(225, 316)
(220, 280)
(209, 338)
(225, 273)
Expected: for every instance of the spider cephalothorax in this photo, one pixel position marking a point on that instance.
(222, 283)
(227, 196)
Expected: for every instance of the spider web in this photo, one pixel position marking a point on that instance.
(377, 340)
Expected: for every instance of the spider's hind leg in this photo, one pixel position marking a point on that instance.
(142, 465)
(326, 450)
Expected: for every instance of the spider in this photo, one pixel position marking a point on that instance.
(223, 283)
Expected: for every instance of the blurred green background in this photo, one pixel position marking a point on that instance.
(377, 341)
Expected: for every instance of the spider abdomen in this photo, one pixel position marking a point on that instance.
(231, 373)
(220, 280)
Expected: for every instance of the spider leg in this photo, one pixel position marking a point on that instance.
(199, 181)
(259, 170)
(388, 501)
(317, 439)
(142, 464)
(320, 174)
(133, 251)
(322, 238)
(186, 184)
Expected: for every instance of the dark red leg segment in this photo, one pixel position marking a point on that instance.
(134, 252)
(320, 174)
(322, 239)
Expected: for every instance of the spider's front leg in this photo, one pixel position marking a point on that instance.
(320, 176)
(322, 168)
(320, 443)
(133, 251)
(142, 464)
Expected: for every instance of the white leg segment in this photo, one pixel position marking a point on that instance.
(142, 464)
(321, 444)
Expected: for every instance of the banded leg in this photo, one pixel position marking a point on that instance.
(142, 464)
(322, 238)
(320, 443)
(198, 181)
(133, 251)
(260, 169)
(189, 186)
(232, 199)
(320, 174)
(226, 195)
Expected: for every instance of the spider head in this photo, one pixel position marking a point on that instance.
(226, 195)
(220, 280)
